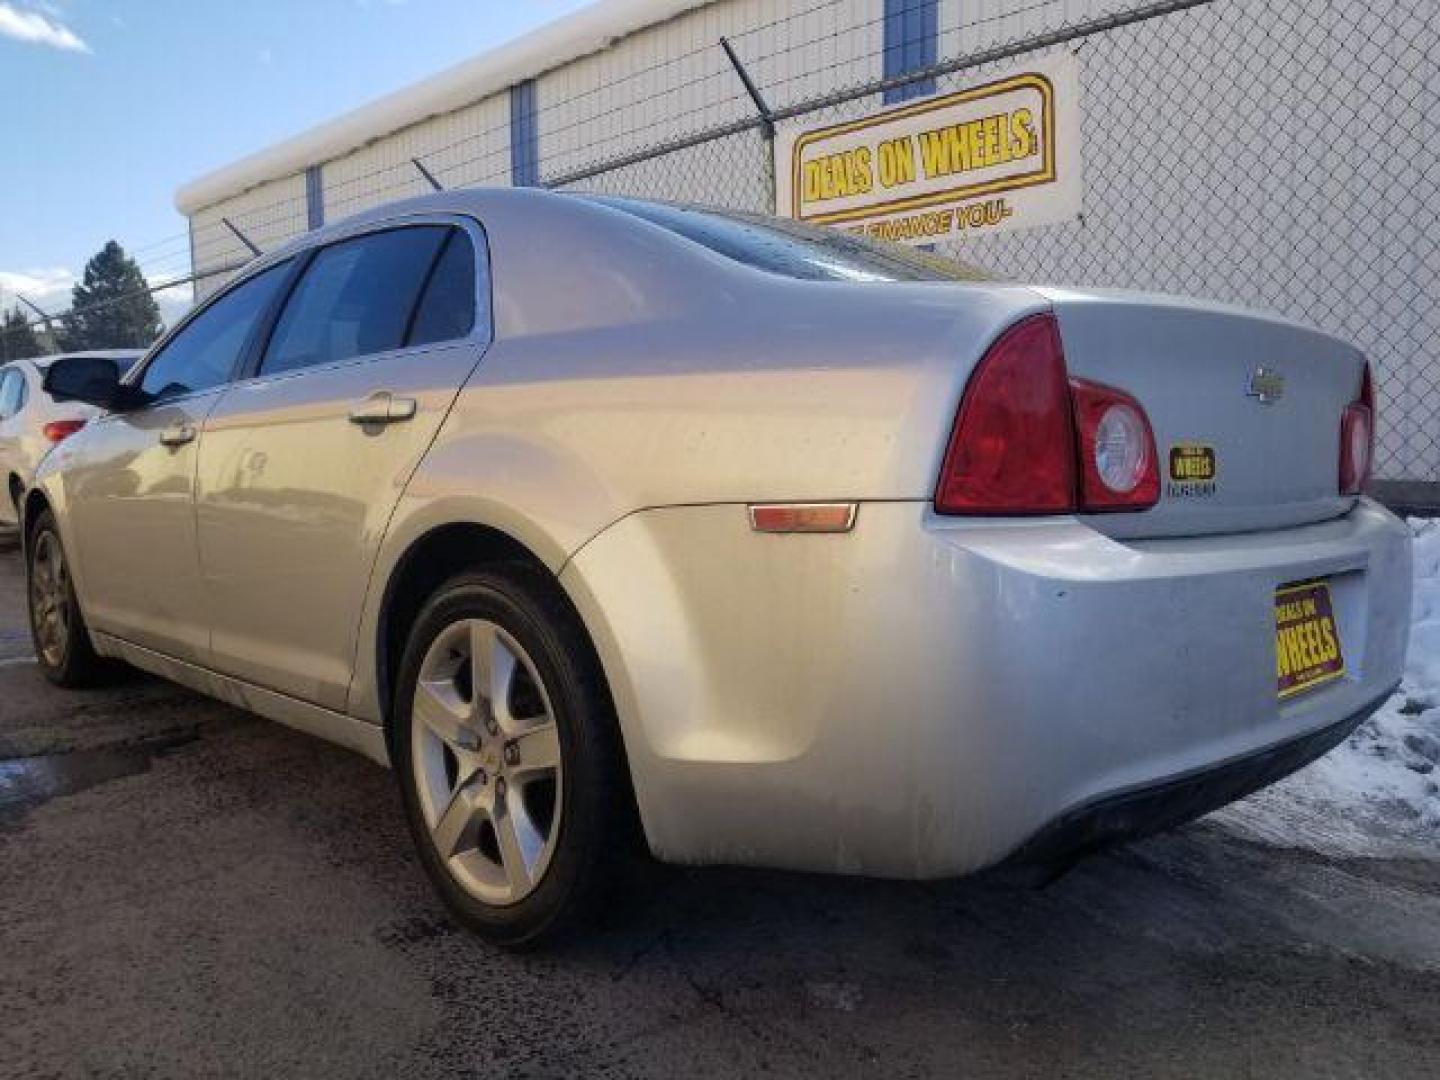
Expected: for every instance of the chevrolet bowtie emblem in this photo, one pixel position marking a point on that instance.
(1267, 384)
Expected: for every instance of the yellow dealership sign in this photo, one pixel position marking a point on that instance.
(1002, 154)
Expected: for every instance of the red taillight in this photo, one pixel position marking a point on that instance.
(1013, 448)
(1357, 439)
(1118, 462)
(60, 430)
(1030, 440)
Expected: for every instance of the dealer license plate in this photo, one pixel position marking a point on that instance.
(1307, 639)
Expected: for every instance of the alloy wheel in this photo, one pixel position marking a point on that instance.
(50, 599)
(486, 754)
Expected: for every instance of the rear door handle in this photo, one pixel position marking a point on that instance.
(179, 435)
(383, 408)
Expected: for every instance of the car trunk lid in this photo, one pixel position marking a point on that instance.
(1246, 407)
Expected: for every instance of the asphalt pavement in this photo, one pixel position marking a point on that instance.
(188, 891)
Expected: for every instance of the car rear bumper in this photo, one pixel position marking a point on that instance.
(1168, 803)
(923, 696)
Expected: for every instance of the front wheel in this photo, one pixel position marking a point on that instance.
(507, 755)
(57, 628)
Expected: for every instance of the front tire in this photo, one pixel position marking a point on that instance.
(57, 627)
(509, 764)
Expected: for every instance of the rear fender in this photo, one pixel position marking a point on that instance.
(548, 506)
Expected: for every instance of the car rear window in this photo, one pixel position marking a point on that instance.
(794, 249)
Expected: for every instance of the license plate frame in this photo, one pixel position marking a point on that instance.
(1309, 652)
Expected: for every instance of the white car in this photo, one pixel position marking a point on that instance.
(31, 422)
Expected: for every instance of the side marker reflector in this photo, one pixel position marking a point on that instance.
(803, 517)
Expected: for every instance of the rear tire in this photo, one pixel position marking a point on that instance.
(506, 749)
(62, 640)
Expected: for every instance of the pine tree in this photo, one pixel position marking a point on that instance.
(112, 307)
(17, 339)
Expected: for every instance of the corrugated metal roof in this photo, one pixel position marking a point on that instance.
(586, 31)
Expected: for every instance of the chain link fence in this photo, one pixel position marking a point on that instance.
(1281, 154)
(1275, 155)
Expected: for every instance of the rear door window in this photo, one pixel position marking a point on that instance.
(356, 298)
(447, 310)
(205, 352)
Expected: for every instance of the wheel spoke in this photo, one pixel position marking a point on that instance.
(458, 829)
(450, 722)
(493, 673)
(43, 573)
(537, 749)
(513, 856)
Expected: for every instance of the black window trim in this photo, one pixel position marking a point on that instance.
(255, 347)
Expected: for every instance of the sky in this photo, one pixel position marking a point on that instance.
(109, 106)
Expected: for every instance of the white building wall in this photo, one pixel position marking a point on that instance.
(1275, 155)
(967, 26)
(674, 79)
(269, 215)
(468, 147)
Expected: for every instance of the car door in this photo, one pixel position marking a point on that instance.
(129, 481)
(303, 462)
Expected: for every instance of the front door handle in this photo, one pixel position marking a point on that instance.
(179, 435)
(383, 408)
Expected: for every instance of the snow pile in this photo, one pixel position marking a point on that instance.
(1424, 666)
(1379, 792)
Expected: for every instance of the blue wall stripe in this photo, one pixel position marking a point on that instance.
(524, 136)
(314, 198)
(912, 29)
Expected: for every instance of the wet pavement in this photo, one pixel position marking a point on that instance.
(188, 891)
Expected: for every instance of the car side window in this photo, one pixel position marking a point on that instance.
(355, 298)
(447, 310)
(22, 391)
(10, 383)
(203, 354)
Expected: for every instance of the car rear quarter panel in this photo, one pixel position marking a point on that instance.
(649, 372)
(918, 697)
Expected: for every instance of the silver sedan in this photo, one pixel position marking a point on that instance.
(600, 519)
